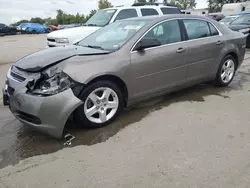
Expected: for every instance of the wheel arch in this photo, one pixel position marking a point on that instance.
(115, 79)
(235, 56)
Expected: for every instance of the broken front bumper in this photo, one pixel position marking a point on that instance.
(47, 114)
(5, 96)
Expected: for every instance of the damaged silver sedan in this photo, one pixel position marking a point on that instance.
(121, 64)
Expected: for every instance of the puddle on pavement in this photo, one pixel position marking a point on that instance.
(19, 141)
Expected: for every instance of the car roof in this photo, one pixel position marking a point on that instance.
(139, 7)
(168, 16)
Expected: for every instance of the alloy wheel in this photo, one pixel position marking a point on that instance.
(227, 71)
(101, 105)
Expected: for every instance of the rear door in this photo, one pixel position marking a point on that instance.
(204, 44)
(159, 68)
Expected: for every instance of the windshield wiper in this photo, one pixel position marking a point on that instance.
(95, 47)
(90, 25)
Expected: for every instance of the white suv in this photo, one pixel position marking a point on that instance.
(105, 17)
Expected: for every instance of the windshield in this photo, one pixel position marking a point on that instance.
(113, 36)
(101, 18)
(228, 19)
(242, 20)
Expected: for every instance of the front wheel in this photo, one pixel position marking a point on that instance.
(103, 102)
(226, 71)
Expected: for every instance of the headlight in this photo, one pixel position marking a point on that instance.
(62, 40)
(51, 86)
(244, 30)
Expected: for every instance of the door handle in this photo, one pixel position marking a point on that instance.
(218, 42)
(180, 50)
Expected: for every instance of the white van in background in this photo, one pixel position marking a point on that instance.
(235, 8)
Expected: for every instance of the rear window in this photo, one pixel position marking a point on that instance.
(149, 12)
(213, 30)
(167, 10)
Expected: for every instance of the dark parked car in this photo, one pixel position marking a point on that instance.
(229, 19)
(7, 30)
(216, 16)
(242, 24)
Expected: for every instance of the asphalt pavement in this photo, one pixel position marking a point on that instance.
(197, 137)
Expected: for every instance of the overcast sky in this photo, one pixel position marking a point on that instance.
(14, 10)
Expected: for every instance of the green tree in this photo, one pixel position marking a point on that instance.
(37, 20)
(102, 4)
(184, 4)
(19, 22)
(60, 17)
(92, 12)
(216, 5)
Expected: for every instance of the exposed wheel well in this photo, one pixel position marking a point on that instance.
(235, 56)
(116, 80)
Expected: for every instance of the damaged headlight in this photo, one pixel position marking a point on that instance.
(53, 85)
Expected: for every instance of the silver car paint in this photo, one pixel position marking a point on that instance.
(53, 111)
(156, 71)
(124, 64)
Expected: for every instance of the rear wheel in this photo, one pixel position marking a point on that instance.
(103, 102)
(226, 71)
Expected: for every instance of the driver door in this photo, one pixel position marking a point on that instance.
(160, 68)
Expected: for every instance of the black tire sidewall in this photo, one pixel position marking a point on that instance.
(218, 80)
(80, 117)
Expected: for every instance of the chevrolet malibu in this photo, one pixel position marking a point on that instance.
(117, 66)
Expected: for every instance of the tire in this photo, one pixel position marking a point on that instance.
(96, 120)
(229, 65)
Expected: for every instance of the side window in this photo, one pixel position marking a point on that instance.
(149, 12)
(213, 30)
(2, 25)
(167, 32)
(166, 10)
(196, 29)
(126, 13)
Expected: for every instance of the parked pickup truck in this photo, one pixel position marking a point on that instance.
(105, 17)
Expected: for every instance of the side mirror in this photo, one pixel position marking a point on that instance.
(147, 43)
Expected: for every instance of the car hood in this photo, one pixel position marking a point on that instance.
(238, 27)
(73, 34)
(48, 57)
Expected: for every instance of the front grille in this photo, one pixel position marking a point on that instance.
(28, 117)
(17, 77)
(52, 45)
(51, 40)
